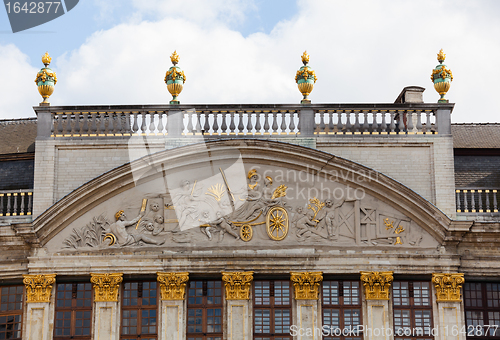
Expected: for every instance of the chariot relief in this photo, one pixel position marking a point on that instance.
(265, 208)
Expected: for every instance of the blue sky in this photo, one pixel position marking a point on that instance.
(247, 51)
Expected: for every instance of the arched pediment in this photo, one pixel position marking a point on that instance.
(245, 194)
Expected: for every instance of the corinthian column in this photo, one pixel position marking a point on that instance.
(39, 315)
(106, 323)
(306, 291)
(172, 306)
(448, 312)
(239, 320)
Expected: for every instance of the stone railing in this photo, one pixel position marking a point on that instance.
(243, 120)
(16, 202)
(477, 200)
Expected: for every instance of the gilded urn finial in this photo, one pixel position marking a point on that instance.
(442, 77)
(45, 80)
(175, 79)
(305, 79)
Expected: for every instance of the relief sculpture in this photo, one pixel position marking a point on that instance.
(258, 209)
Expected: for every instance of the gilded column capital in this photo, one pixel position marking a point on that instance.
(377, 284)
(173, 285)
(306, 284)
(39, 287)
(106, 286)
(448, 286)
(237, 285)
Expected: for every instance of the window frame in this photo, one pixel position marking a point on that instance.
(483, 309)
(15, 312)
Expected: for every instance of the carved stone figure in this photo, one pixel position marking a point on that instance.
(186, 202)
(304, 222)
(123, 237)
(223, 224)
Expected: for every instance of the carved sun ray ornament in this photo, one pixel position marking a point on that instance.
(448, 286)
(237, 285)
(306, 284)
(106, 286)
(377, 284)
(39, 287)
(173, 285)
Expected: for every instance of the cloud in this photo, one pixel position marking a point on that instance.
(362, 51)
(17, 88)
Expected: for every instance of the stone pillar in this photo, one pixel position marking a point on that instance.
(448, 309)
(307, 125)
(106, 315)
(443, 121)
(378, 307)
(238, 317)
(172, 315)
(39, 314)
(43, 122)
(306, 292)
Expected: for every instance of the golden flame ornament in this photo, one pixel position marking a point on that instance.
(305, 79)
(441, 77)
(45, 80)
(175, 79)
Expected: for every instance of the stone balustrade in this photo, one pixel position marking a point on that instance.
(477, 200)
(244, 120)
(16, 202)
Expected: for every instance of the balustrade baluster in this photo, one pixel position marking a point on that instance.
(93, 124)
(331, 125)
(60, 124)
(224, 123)
(241, 127)
(340, 126)
(401, 122)
(160, 125)
(135, 126)
(30, 206)
(356, 121)
(151, 115)
(322, 125)
(266, 122)
(85, 126)
(206, 125)
(283, 122)
(428, 122)
(291, 126)
(8, 196)
(472, 200)
(22, 208)
(249, 123)
(383, 124)
(457, 194)
(74, 124)
(198, 122)
(102, 126)
(216, 123)
(409, 121)
(392, 125)
(488, 207)
(232, 125)
(348, 126)
(112, 123)
(274, 128)
(365, 122)
(258, 127)
(495, 207)
(118, 125)
(374, 122)
(466, 204)
(14, 208)
(2, 212)
(143, 123)
(480, 200)
(435, 128)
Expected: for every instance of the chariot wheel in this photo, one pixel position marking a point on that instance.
(246, 232)
(111, 238)
(277, 223)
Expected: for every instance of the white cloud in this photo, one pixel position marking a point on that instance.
(18, 90)
(362, 51)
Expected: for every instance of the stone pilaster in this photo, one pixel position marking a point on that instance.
(377, 305)
(238, 317)
(448, 306)
(39, 315)
(306, 287)
(106, 316)
(172, 321)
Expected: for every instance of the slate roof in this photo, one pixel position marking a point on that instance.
(17, 135)
(476, 136)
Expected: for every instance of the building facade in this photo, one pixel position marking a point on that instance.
(311, 221)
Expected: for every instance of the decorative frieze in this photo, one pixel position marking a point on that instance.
(39, 287)
(237, 285)
(306, 284)
(106, 286)
(173, 285)
(448, 286)
(377, 284)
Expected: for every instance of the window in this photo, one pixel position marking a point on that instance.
(412, 310)
(204, 310)
(272, 310)
(73, 311)
(11, 312)
(139, 309)
(341, 304)
(482, 309)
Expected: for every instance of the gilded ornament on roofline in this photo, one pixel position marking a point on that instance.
(237, 285)
(106, 286)
(306, 284)
(448, 286)
(173, 285)
(377, 284)
(175, 79)
(305, 79)
(441, 77)
(46, 79)
(39, 287)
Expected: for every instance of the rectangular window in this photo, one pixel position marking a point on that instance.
(204, 310)
(482, 310)
(412, 310)
(11, 312)
(272, 310)
(73, 311)
(341, 304)
(139, 310)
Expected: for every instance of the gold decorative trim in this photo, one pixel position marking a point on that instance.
(39, 287)
(448, 286)
(306, 284)
(173, 285)
(377, 284)
(237, 285)
(106, 286)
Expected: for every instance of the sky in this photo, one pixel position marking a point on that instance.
(248, 51)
